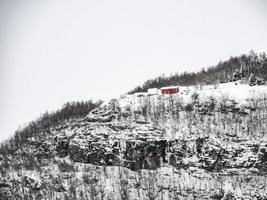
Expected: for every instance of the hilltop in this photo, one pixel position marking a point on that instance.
(250, 68)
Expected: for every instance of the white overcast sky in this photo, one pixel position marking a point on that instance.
(54, 51)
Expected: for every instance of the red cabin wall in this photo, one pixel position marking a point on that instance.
(170, 91)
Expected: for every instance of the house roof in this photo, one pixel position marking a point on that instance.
(169, 87)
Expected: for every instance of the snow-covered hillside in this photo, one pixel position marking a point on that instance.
(206, 142)
(233, 90)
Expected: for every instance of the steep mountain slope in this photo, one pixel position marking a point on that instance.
(203, 143)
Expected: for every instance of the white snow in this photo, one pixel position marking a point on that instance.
(234, 90)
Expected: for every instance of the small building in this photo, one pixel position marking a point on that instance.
(169, 90)
(152, 91)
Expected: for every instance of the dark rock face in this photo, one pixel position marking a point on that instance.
(255, 80)
(142, 154)
(145, 155)
(62, 147)
(262, 160)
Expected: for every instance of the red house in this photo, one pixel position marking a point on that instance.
(169, 90)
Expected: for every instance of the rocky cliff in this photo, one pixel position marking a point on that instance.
(202, 143)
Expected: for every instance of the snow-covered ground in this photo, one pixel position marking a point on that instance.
(234, 90)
